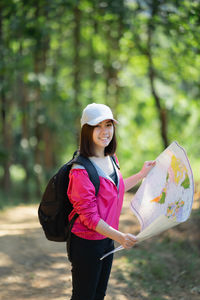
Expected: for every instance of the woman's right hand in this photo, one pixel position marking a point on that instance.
(128, 240)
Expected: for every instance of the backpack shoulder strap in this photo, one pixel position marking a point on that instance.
(91, 170)
(115, 161)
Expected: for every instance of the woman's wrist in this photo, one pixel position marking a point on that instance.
(141, 175)
(119, 237)
(108, 231)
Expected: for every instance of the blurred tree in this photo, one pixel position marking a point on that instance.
(139, 57)
(5, 104)
(77, 66)
(154, 7)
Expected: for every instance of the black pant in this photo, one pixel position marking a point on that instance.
(89, 274)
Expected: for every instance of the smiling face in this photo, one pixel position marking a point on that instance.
(102, 135)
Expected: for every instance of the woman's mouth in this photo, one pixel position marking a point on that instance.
(104, 139)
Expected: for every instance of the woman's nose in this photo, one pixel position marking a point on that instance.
(104, 130)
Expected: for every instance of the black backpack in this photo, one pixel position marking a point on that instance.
(55, 206)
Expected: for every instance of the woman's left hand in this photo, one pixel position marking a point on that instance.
(148, 165)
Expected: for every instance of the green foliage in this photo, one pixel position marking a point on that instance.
(58, 56)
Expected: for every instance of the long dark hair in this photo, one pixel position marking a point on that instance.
(86, 142)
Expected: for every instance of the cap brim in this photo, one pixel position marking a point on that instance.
(99, 120)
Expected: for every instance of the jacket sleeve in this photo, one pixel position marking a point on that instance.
(81, 193)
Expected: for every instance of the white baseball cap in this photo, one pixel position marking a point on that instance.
(95, 113)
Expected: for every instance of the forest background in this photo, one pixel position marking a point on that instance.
(142, 58)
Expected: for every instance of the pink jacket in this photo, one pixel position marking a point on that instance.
(106, 205)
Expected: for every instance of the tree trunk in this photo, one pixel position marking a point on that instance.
(22, 96)
(112, 79)
(49, 158)
(40, 55)
(77, 69)
(7, 141)
(6, 126)
(92, 54)
(162, 111)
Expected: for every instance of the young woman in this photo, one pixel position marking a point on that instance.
(96, 227)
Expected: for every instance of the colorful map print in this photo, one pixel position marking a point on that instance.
(167, 190)
(177, 170)
(165, 197)
(177, 174)
(161, 198)
(173, 209)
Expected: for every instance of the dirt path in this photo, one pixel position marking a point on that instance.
(33, 268)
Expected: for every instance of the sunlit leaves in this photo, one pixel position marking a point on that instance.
(38, 63)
